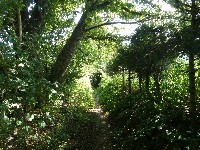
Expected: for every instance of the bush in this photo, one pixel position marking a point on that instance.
(137, 122)
(109, 93)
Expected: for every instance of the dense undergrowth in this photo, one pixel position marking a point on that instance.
(36, 114)
(139, 122)
(52, 128)
(51, 67)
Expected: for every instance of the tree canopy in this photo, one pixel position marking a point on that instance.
(60, 59)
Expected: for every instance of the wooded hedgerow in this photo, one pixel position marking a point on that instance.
(52, 67)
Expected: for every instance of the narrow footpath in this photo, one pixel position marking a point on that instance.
(94, 135)
(103, 140)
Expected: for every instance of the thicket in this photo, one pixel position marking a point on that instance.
(36, 114)
(138, 122)
(52, 66)
(153, 96)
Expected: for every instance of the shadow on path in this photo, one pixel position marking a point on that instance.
(94, 134)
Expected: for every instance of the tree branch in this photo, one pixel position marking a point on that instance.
(102, 38)
(111, 23)
(19, 27)
(130, 11)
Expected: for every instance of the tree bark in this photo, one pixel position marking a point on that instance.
(123, 82)
(65, 56)
(129, 81)
(158, 91)
(19, 20)
(147, 82)
(192, 87)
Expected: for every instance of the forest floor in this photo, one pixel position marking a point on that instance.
(94, 135)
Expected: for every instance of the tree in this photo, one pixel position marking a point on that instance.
(149, 52)
(64, 58)
(189, 13)
(39, 17)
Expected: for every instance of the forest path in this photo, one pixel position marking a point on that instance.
(94, 134)
(103, 139)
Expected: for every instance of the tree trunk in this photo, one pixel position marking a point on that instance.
(65, 56)
(147, 82)
(123, 82)
(129, 82)
(158, 91)
(192, 87)
(19, 20)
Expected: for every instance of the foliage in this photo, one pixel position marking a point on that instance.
(82, 94)
(137, 122)
(147, 52)
(39, 113)
(109, 93)
(31, 114)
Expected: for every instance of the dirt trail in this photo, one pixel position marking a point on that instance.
(103, 141)
(94, 135)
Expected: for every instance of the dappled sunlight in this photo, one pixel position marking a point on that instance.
(99, 74)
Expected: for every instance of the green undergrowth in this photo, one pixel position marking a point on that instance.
(55, 129)
(138, 122)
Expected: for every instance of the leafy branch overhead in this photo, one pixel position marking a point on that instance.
(99, 74)
(64, 58)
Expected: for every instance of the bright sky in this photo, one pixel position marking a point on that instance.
(164, 6)
(128, 29)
